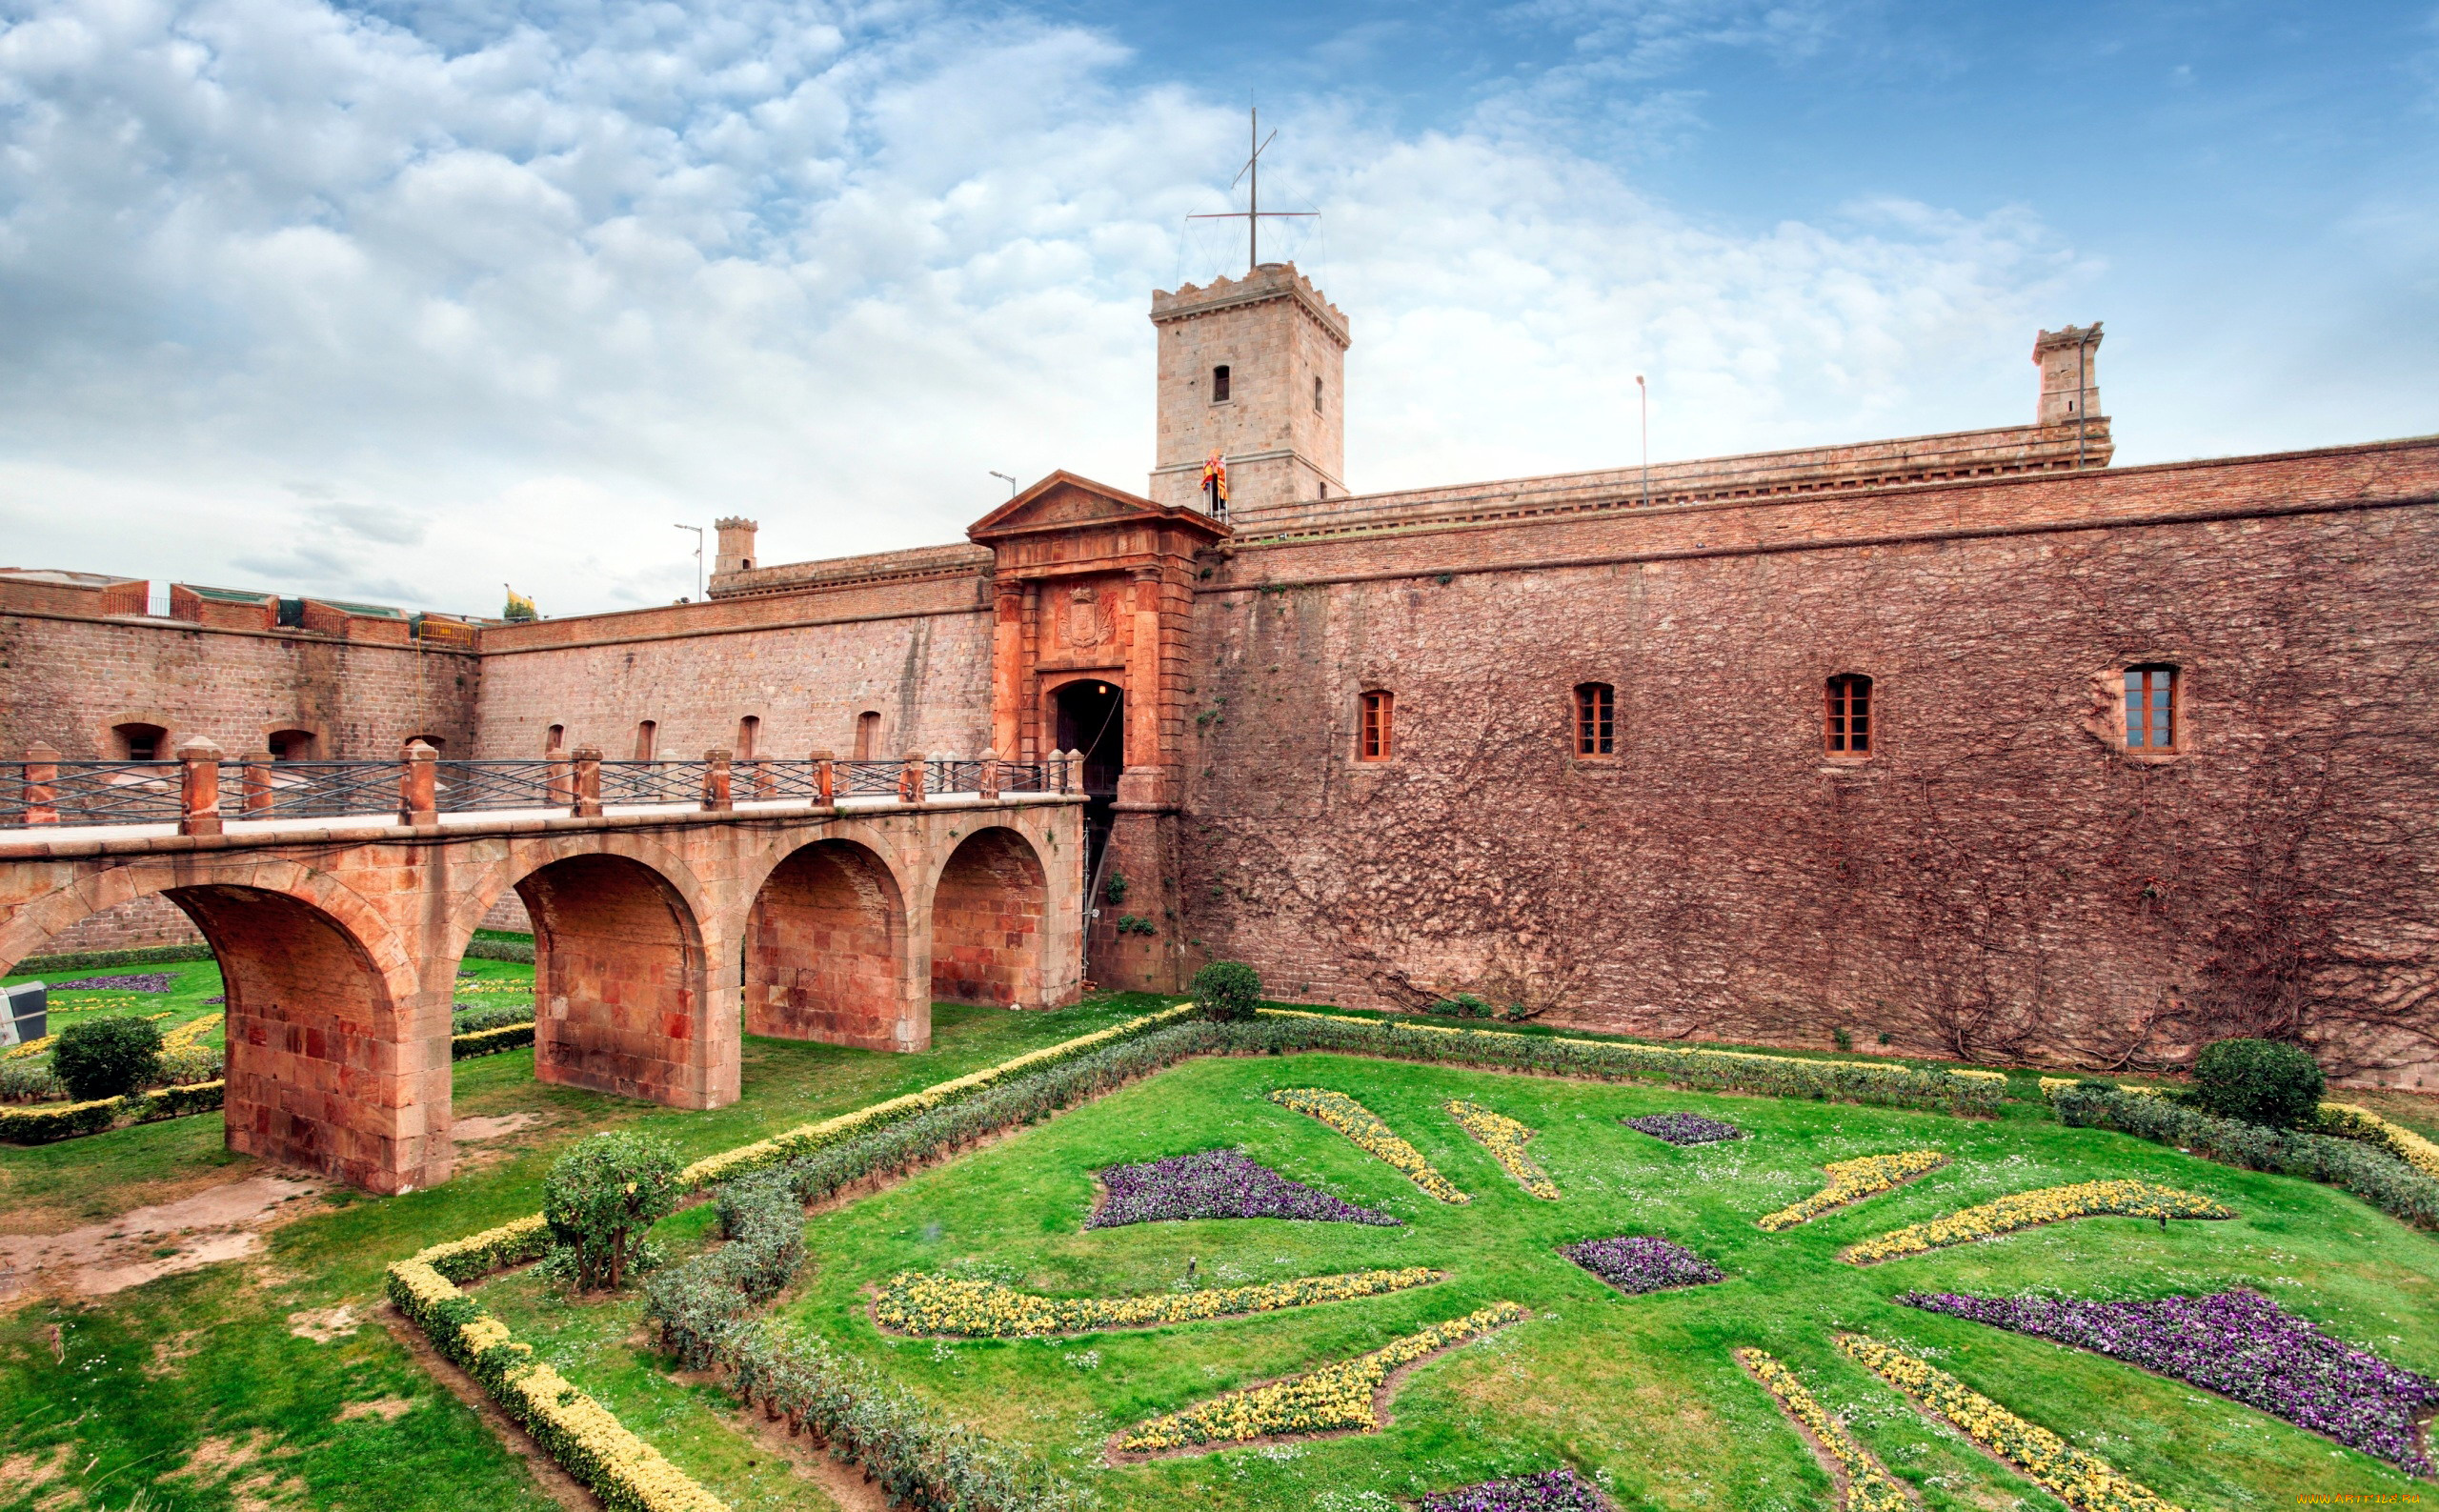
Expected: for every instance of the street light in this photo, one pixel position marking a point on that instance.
(1642, 394)
(698, 556)
(1011, 482)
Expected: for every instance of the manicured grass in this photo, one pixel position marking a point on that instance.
(167, 1374)
(1640, 1391)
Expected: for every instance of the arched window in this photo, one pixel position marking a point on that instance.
(141, 743)
(1595, 719)
(1846, 730)
(749, 729)
(1219, 384)
(289, 745)
(868, 735)
(2151, 708)
(557, 739)
(647, 736)
(1378, 739)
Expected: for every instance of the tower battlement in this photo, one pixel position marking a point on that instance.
(1251, 368)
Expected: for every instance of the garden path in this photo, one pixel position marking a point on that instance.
(146, 1243)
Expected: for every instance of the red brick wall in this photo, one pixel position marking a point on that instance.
(1999, 879)
(70, 680)
(148, 921)
(617, 980)
(986, 922)
(822, 950)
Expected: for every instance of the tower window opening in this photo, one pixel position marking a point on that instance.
(555, 739)
(1377, 738)
(2151, 708)
(1847, 729)
(289, 745)
(647, 736)
(868, 734)
(749, 729)
(1595, 719)
(140, 742)
(1316, 393)
(1219, 384)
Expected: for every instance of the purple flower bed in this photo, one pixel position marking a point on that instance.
(2240, 1344)
(1686, 1128)
(136, 982)
(1550, 1491)
(1639, 1262)
(218, 998)
(1216, 1184)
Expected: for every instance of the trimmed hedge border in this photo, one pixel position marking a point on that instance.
(490, 1041)
(44, 965)
(2369, 1171)
(500, 950)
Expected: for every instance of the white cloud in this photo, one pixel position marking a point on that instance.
(515, 291)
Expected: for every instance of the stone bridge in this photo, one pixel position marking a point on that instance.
(661, 933)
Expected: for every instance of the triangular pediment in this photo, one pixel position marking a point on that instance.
(1065, 501)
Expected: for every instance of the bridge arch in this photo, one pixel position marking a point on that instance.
(989, 907)
(827, 953)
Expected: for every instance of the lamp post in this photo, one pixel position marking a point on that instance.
(1643, 396)
(698, 556)
(1005, 478)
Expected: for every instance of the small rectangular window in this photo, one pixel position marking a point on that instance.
(1219, 384)
(1317, 394)
(1595, 719)
(2151, 708)
(647, 736)
(1379, 739)
(749, 729)
(1847, 729)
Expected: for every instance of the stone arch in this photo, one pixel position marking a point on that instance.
(622, 999)
(988, 912)
(517, 859)
(827, 954)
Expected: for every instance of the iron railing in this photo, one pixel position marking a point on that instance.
(42, 790)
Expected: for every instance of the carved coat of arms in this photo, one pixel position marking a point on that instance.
(1085, 625)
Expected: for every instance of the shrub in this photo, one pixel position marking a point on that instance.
(58, 1121)
(107, 1058)
(29, 1081)
(474, 1018)
(600, 1200)
(184, 1065)
(1463, 1005)
(2262, 1081)
(1229, 990)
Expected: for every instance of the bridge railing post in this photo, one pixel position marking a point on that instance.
(198, 787)
(418, 787)
(910, 778)
(41, 802)
(255, 786)
(719, 792)
(588, 782)
(1071, 772)
(988, 782)
(825, 778)
(560, 790)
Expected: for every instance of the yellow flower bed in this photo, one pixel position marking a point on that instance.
(189, 1033)
(1869, 1486)
(81, 1004)
(1504, 1139)
(1853, 1180)
(2048, 1205)
(480, 989)
(30, 1049)
(913, 1302)
(2084, 1482)
(805, 1139)
(1370, 1135)
(2411, 1147)
(1335, 1398)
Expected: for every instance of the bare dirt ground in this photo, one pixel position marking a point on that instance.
(219, 1223)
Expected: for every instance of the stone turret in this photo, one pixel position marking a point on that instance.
(2069, 364)
(1253, 368)
(736, 545)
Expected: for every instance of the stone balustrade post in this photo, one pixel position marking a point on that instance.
(257, 787)
(825, 778)
(988, 783)
(420, 787)
(1071, 771)
(588, 782)
(910, 778)
(42, 784)
(198, 787)
(719, 782)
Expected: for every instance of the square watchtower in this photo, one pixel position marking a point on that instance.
(1253, 368)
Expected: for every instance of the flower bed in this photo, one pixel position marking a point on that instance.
(1684, 1128)
(1869, 1486)
(2240, 1344)
(2346, 1121)
(490, 1041)
(1635, 1263)
(128, 981)
(1853, 1180)
(1335, 1398)
(1370, 1135)
(2025, 1209)
(1550, 1491)
(1504, 1139)
(917, 1303)
(1214, 1183)
(2084, 1482)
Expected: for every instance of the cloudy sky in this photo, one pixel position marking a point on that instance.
(403, 301)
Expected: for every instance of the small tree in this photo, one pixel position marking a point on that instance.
(2258, 1080)
(108, 1058)
(1227, 990)
(600, 1200)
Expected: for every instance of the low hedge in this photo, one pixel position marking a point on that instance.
(84, 960)
(2369, 1171)
(52, 1123)
(490, 1041)
(481, 949)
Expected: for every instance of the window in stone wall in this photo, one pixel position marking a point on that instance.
(1377, 742)
(557, 739)
(289, 745)
(2151, 708)
(1316, 393)
(749, 730)
(647, 736)
(1595, 719)
(1219, 384)
(868, 735)
(141, 743)
(1848, 725)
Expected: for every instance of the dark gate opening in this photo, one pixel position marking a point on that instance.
(1091, 719)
